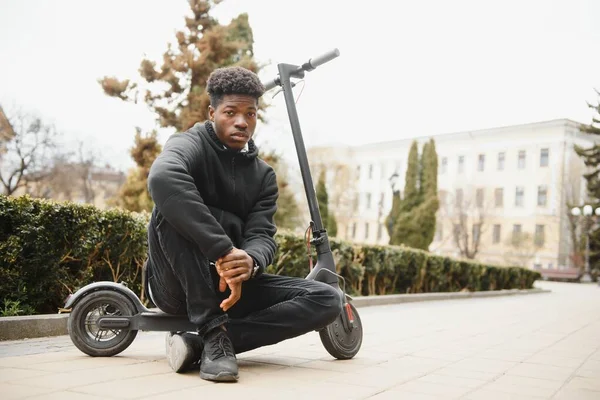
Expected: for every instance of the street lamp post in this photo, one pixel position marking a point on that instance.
(588, 212)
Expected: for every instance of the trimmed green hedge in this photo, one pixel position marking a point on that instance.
(49, 249)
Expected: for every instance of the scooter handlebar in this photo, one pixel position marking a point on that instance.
(323, 58)
(310, 65)
(271, 84)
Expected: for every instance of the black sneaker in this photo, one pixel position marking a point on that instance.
(218, 362)
(183, 350)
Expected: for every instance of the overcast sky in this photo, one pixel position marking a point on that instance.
(407, 68)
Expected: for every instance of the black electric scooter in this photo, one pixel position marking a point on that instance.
(106, 316)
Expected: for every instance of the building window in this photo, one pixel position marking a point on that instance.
(496, 234)
(461, 164)
(356, 202)
(519, 196)
(521, 160)
(540, 236)
(516, 233)
(366, 230)
(444, 165)
(358, 171)
(379, 231)
(368, 200)
(501, 157)
(479, 197)
(542, 197)
(459, 197)
(354, 230)
(370, 171)
(481, 162)
(544, 157)
(499, 197)
(476, 232)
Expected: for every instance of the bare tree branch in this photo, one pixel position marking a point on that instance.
(468, 216)
(28, 153)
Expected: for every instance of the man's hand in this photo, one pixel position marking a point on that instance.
(234, 268)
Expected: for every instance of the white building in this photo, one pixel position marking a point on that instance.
(516, 179)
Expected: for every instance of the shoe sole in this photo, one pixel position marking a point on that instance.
(179, 353)
(220, 377)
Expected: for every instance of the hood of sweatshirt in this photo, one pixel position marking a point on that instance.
(249, 152)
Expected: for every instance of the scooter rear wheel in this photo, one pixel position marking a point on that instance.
(85, 333)
(339, 341)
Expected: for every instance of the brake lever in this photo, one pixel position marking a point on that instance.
(293, 84)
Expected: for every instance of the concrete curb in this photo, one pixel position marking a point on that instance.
(33, 326)
(367, 301)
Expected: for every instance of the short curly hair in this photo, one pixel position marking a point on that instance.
(232, 80)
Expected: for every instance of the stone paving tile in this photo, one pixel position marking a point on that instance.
(453, 371)
(588, 373)
(440, 379)
(377, 377)
(484, 365)
(66, 395)
(516, 347)
(522, 387)
(395, 395)
(577, 394)
(258, 367)
(228, 391)
(74, 379)
(417, 364)
(142, 387)
(278, 360)
(486, 394)
(583, 383)
(549, 372)
(435, 389)
(15, 374)
(84, 362)
(12, 391)
(546, 359)
(504, 355)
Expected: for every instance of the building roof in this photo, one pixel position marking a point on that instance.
(470, 133)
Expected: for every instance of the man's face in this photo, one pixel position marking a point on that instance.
(235, 119)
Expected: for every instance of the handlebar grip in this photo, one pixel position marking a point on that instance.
(271, 84)
(309, 66)
(323, 58)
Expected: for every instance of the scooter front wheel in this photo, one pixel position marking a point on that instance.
(343, 337)
(83, 327)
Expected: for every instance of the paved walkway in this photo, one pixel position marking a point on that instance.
(515, 347)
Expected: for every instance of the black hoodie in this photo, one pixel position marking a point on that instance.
(214, 196)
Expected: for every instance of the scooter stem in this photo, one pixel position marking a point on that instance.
(285, 72)
(320, 240)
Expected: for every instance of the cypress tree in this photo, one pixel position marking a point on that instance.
(413, 217)
(426, 213)
(591, 158)
(411, 184)
(403, 227)
(329, 222)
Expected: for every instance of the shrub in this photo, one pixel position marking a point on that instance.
(49, 249)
